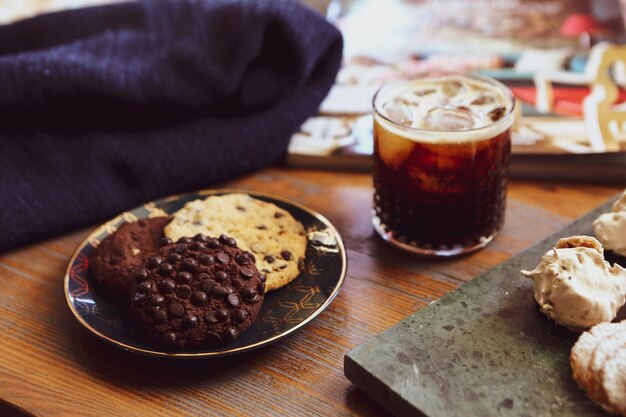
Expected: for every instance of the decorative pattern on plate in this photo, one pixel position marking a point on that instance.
(295, 309)
(283, 311)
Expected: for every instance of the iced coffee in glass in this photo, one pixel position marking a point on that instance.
(441, 150)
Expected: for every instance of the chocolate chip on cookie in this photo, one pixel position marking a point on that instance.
(114, 262)
(204, 297)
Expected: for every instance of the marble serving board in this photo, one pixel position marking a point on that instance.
(482, 350)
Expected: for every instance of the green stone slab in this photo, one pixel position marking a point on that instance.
(482, 350)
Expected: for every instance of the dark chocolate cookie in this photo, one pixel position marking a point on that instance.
(200, 292)
(114, 261)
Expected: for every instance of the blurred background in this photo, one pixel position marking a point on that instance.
(546, 51)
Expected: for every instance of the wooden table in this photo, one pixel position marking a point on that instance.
(50, 366)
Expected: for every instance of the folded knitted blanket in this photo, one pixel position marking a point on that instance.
(107, 107)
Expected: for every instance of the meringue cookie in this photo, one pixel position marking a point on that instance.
(610, 229)
(620, 204)
(575, 287)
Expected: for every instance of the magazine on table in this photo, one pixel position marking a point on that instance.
(556, 66)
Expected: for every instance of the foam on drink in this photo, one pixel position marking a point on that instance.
(466, 109)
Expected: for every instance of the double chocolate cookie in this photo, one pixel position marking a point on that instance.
(200, 292)
(114, 261)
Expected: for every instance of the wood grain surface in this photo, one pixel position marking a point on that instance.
(50, 366)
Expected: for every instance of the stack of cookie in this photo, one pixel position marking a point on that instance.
(197, 279)
(276, 239)
(598, 362)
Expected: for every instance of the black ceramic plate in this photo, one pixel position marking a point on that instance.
(284, 310)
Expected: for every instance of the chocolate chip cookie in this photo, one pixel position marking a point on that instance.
(272, 234)
(113, 263)
(200, 292)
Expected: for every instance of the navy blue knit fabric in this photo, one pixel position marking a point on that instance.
(102, 109)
